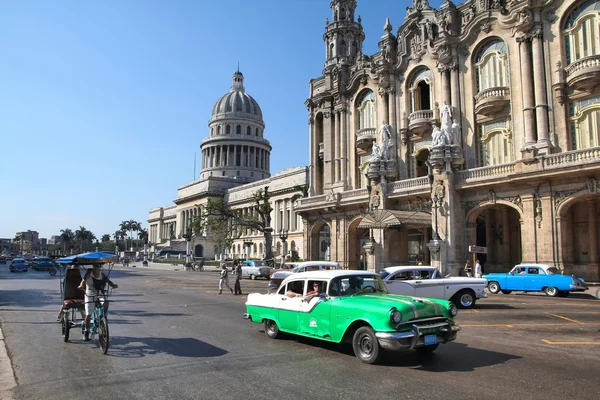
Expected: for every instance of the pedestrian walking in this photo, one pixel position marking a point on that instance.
(477, 269)
(237, 271)
(224, 279)
(468, 270)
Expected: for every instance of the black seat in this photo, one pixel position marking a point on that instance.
(73, 297)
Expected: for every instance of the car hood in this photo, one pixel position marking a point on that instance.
(281, 274)
(410, 307)
(458, 279)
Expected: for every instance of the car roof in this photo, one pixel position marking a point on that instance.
(327, 274)
(408, 268)
(542, 266)
(304, 263)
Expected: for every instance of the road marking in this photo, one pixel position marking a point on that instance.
(566, 319)
(511, 325)
(586, 343)
(475, 311)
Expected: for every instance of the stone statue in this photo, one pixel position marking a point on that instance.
(385, 132)
(453, 132)
(438, 138)
(376, 153)
(446, 114)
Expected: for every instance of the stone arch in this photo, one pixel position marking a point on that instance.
(420, 157)
(356, 256)
(198, 250)
(320, 241)
(496, 226)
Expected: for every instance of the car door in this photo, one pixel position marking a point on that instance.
(535, 279)
(289, 307)
(401, 282)
(314, 314)
(516, 279)
(425, 286)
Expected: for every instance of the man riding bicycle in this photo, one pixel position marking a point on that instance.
(94, 282)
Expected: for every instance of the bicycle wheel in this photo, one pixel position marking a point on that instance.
(103, 337)
(66, 326)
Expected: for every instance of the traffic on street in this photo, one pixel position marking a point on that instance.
(172, 337)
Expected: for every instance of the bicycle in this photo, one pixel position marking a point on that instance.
(99, 324)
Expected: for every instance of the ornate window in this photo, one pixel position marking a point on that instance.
(584, 121)
(366, 110)
(228, 130)
(495, 143)
(238, 130)
(581, 31)
(491, 65)
(420, 90)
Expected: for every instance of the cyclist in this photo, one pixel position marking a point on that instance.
(94, 282)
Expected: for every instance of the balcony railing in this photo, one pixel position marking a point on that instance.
(484, 173)
(366, 134)
(421, 114)
(570, 158)
(490, 101)
(584, 73)
(410, 185)
(492, 92)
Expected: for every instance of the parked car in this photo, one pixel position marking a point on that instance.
(255, 269)
(43, 264)
(427, 281)
(18, 265)
(535, 278)
(278, 276)
(364, 313)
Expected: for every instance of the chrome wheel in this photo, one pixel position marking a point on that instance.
(551, 291)
(465, 299)
(493, 287)
(271, 329)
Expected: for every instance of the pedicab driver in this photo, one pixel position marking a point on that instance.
(94, 281)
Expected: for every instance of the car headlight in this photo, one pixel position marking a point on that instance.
(453, 310)
(396, 316)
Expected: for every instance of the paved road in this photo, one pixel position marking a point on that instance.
(173, 337)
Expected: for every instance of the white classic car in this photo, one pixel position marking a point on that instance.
(426, 281)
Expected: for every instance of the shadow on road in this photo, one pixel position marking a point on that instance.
(133, 347)
(491, 306)
(29, 298)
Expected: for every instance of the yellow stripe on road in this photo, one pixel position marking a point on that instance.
(588, 343)
(566, 319)
(475, 311)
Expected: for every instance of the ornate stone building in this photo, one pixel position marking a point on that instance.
(474, 125)
(235, 165)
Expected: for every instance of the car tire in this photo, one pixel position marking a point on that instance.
(494, 287)
(252, 277)
(551, 291)
(271, 329)
(366, 346)
(464, 299)
(426, 350)
(506, 291)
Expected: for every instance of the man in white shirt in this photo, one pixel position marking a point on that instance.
(477, 269)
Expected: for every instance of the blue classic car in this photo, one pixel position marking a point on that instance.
(18, 265)
(535, 278)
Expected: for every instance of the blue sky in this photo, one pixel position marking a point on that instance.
(103, 104)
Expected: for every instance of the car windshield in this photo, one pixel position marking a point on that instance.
(356, 284)
(553, 271)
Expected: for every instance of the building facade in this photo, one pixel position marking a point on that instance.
(473, 132)
(235, 165)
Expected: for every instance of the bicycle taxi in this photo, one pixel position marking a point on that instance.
(73, 298)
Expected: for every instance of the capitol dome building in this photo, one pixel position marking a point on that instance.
(236, 147)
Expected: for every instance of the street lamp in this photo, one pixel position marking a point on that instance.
(97, 245)
(437, 202)
(188, 237)
(283, 235)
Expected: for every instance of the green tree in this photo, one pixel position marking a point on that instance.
(105, 238)
(129, 227)
(226, 224)
(19, 240)
(66, 238)
(84, 238)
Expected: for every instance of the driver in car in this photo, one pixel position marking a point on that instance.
(354, 285)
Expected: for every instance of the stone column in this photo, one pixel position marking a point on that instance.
(336, 150)
(446, 93)
(313, 149)
(527, 84)
(426, 255)
(528, 229)
(284, 212)
(292, 217)
(489, 240)
(593, 231)
(344, 147)
(541, 102)
(456, 95)
(275, 219)
(506, 250)
(327, 147)
(235, 155)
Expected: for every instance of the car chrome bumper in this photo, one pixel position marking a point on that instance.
(445, 332)
(482, 295)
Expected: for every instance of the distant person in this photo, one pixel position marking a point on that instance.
(468, 269)
(237, 272)
(224, 280)
(478, 270)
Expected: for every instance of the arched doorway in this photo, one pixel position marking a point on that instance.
(497, 227)
(357, 238)
(421, 168)
(198, 250)
(320, 242)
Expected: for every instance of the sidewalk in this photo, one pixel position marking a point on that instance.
(165, 267)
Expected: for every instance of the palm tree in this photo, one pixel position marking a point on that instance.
(19, 239)
(129, 227)
(84, 237)
(66, 238)
(105, 238)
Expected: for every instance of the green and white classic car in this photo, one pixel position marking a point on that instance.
(353, 306)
